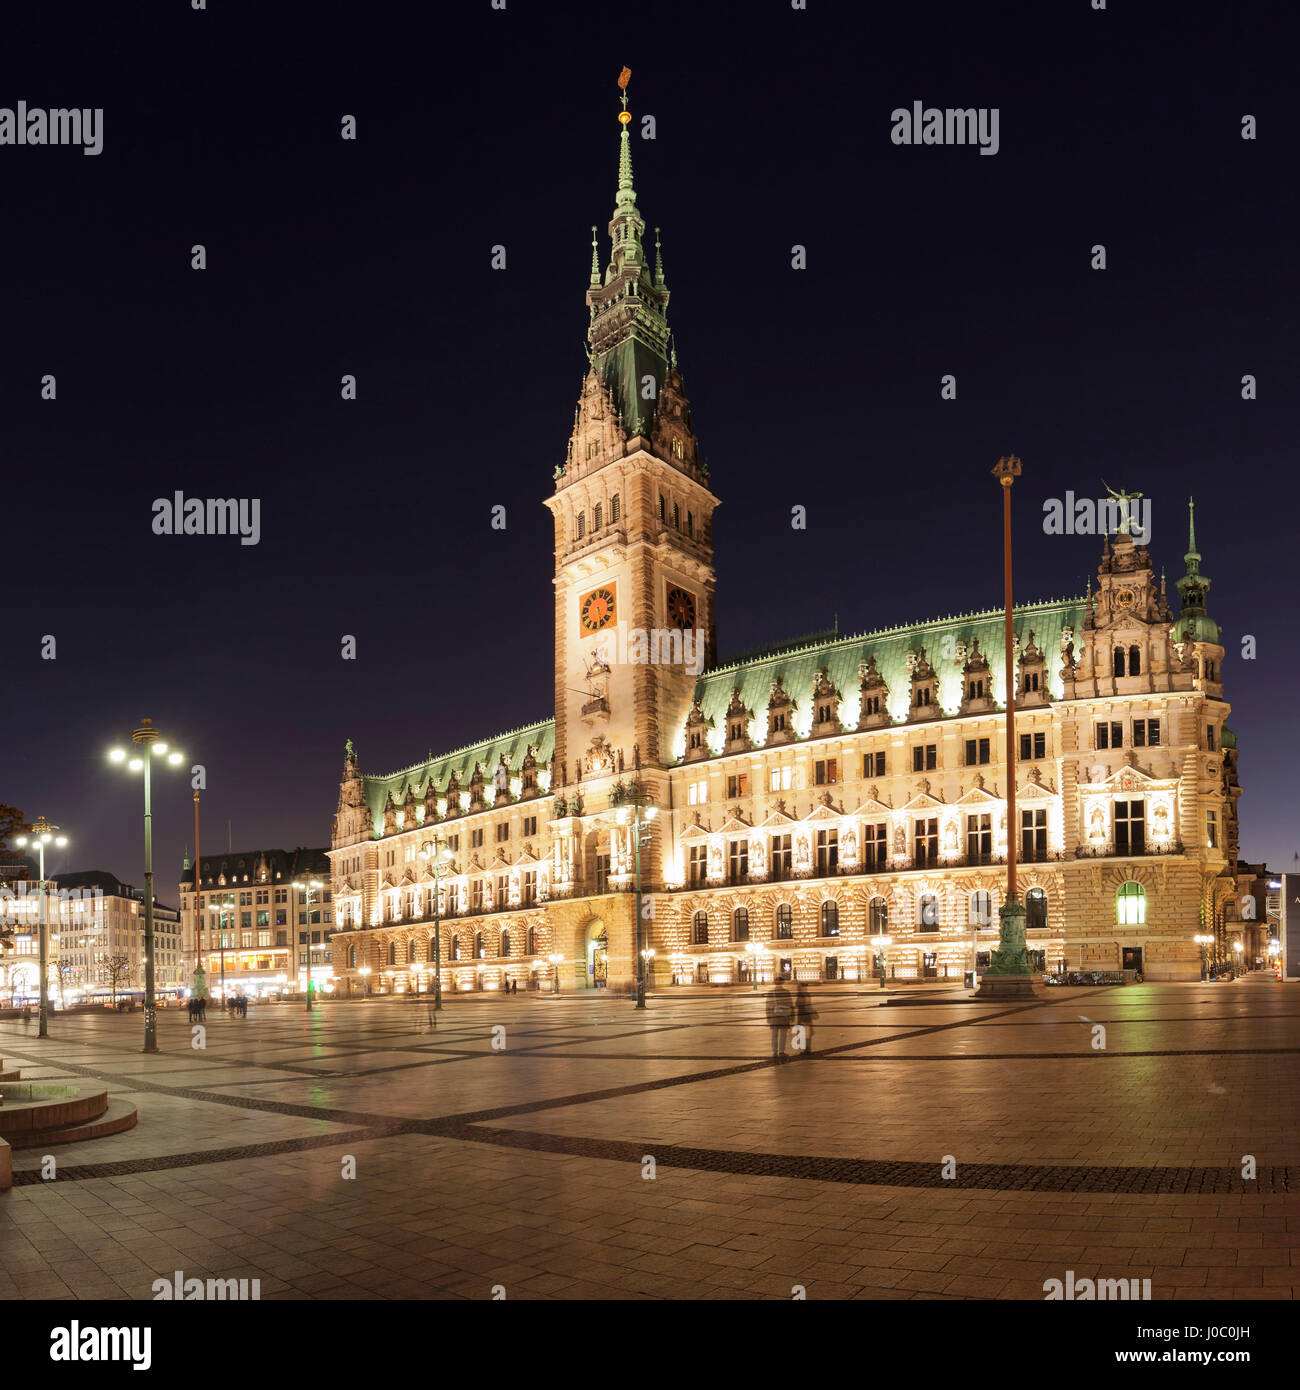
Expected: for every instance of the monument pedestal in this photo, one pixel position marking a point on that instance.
(1010, 974)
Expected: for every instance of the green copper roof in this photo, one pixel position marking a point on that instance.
(1194, 621)
(798, 667)
(512, 746)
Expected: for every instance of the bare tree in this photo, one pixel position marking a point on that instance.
(119, 971)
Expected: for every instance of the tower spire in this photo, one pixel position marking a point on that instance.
(1194, 623)
(595, 261)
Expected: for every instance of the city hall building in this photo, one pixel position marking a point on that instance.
(819, 810)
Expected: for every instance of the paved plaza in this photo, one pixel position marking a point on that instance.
(931, 1147)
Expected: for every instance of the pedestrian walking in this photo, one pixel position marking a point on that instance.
(779, 1010)
(804, 1014)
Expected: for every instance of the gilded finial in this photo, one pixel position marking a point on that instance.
(595, 260)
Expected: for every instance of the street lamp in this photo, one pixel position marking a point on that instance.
(436, 852)
(364, 972)
(555, 960)
(147, 739)
(753, 950)
(882, 945)
(307, 888)
(1203, 941)
(636, 797)
(1239, 949)
(41, 835)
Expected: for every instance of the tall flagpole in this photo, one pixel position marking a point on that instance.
(1008, 975)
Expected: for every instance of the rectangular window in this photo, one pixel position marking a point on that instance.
(828, 852)
(780, 857)
(780, 779)
(977, 751)
(1209, 737)
(282, 895)
(1033, 746)
(699, 866)
(530, 825)
(530, 887)
(925, 757)
(1130, 827)
(1146, 733)
(925, 842)
(263, 897)
(1033, 836)
(1212, 830)
(979, 839)
(873, 764)
(1110, 734)
(245, 919)
(476, 838)
(826, 771)
(738, 860)
(738, 784)
(502, 899)
(263, 919)
(476, 895)
(503, 831)
(874, 846)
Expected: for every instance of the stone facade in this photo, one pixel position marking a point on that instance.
(808, 799)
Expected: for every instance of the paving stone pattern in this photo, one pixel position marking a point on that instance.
(524, 1167)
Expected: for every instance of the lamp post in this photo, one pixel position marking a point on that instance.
(308, 887)
(555, 958)
(881, 945)
(40, 835)
(1008, 973)
(364, 972)
(1237, 961)
(1203, 941)
(636, 797)
(752, 950)
(437, 853)
(149, 741)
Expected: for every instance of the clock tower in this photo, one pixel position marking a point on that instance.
(633, 513)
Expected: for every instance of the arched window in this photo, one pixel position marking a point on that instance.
(597, 517)
(1119, 660)
(455, 948)
(1135, 661)
(478, 945)
(830, 918)
(532, 941)
(352, 957)
(928, 912)
(981, 908)
(784, 922)
(615, 510)
(505, 941)
(1131, 904)
(392, 953)
(1035, 908)
(700, 929)
(878, 916)
(740, 924)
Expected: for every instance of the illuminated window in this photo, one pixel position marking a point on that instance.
(1035, 908)
(830, 918)
(784, 922)
(1131, 903)
(981, 908)
(700, 929)
(740, 924)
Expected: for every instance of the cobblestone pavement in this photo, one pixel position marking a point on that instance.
(945, 1149)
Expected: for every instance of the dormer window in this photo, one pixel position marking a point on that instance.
(678, 451)
(592, 447)
(975, 690)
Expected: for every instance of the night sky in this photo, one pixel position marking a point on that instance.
(479, 127)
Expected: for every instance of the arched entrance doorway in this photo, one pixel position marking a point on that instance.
(594, 955)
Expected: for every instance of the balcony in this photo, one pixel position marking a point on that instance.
(1143, 851)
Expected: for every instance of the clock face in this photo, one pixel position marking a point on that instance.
(681, 608)
(597, 609)
(1125, 598)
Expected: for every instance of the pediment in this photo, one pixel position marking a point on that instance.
(694, 832)
(735, 825)
(923, 801)
(873, 806)
(776, 820)
(823, 813)
(976, 796)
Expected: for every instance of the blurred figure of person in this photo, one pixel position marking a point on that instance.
(779, 1011)
(804, 1014)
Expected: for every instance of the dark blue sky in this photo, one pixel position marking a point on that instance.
(821, 387)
